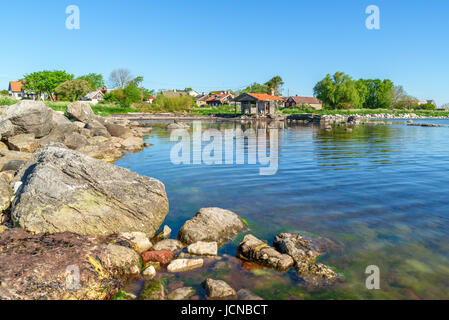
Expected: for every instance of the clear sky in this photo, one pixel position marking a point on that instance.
(228, 44)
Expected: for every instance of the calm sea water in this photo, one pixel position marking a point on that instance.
(379, 194)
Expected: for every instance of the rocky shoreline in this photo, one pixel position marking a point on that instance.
(74, 226)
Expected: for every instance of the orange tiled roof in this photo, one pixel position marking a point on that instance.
(265, 97)
(218, 97)
(16, 86)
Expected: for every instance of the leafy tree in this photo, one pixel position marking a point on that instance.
(4, 92)
(73, 90)
(275, 85)
(401, 100)
(45, 81)
(256, 88)
(339, 92)
(120, 78)
(132, 95)
(95, 80)
(379, 94)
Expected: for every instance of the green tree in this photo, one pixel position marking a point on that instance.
(275, 85)
(95, 80)
(132, 95)
(339, 92)
(379, 95)
(426, 106)
(256, 88)
(45, 81)
(73, 90)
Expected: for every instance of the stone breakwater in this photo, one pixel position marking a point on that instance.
(74, 226)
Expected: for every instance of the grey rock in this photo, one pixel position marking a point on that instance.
(180, 265)
(168, 244)
(181, 293)
(8, 155)
(116, 130)
(138, 240)
(5, 196)
(244, 294)
(64, 190)
(133, 144)
(97, 129)
(75, 141)
(149, 273)
(25, 142)
(255, 250)
(122, 258)
(203, 248)
(163, 234)
(296, 246)
(6, 128)
(80, 111)
(29, 117)
(13, 165)
(218, 289)
(211, 224)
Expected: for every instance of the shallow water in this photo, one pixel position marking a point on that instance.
(378, 193)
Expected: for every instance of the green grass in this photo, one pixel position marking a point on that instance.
(99, 109)
(7, 101)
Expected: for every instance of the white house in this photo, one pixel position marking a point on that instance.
(15, 90)
(94, 97)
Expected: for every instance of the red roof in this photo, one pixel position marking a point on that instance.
(265, 97)
(305, 100)
(218, 97)
(16, 86)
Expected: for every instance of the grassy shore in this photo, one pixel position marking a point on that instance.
(108, 109)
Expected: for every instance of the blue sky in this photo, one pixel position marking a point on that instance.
(212, 45)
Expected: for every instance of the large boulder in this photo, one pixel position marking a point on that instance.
(80, 111)
(211, 224)
(62, 127)
(64, 190)
(116, 130)
(27, 117)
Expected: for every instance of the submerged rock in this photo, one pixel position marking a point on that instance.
(218, 289)
(64, 190)
(152, 290)
(181, 293)
(180, 265)
(211, 224)
(255, 250)
(304, 255)
(203, 248)
(244, 294)
(296, 246)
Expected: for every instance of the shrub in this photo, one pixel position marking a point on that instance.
(176, 104)
(426, 106)
(7, 101)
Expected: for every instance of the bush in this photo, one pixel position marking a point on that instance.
(7, 101)
(426, 106)
(177, 104)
